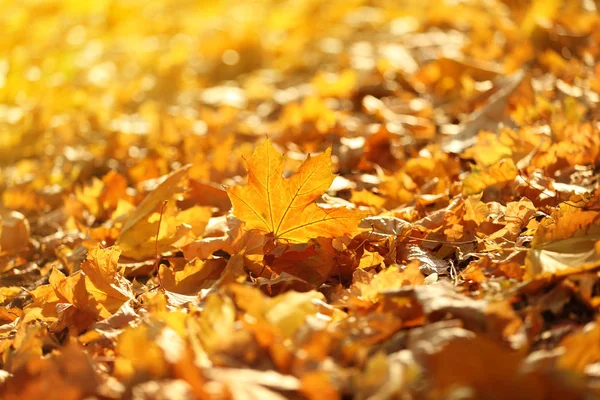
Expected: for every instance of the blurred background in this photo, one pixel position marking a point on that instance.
(145, 86)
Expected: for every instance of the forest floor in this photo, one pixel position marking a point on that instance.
(299, 199)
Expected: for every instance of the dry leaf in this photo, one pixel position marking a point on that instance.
(284, 207)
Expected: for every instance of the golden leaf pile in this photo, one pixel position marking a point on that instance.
(299, 199)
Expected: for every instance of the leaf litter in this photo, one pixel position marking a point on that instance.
(221, 201)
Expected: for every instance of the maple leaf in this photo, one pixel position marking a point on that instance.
(138, 238)
(95, 292)
(28, 345)
(166, 188)
(565, 244)
(479, 179)
(285, 207)
(103, 282)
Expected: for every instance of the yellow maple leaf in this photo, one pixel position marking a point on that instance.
(109, 288)
(137, 238)
(169, 185)
(479, 179)
(97, 291)
(285, 207)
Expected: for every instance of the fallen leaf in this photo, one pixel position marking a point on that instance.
(168, 186)
(103, 282)
(504, 171)
(285, 208)
(565, 243)
(14, 232)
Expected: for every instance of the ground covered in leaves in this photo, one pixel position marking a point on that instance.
(299, 199)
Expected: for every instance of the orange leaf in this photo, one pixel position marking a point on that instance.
(285, 207)
(169, 185)
(108, 287)
(479, 179)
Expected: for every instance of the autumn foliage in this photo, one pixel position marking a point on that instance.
(300, 199)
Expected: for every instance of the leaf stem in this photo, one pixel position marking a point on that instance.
(156, 255)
